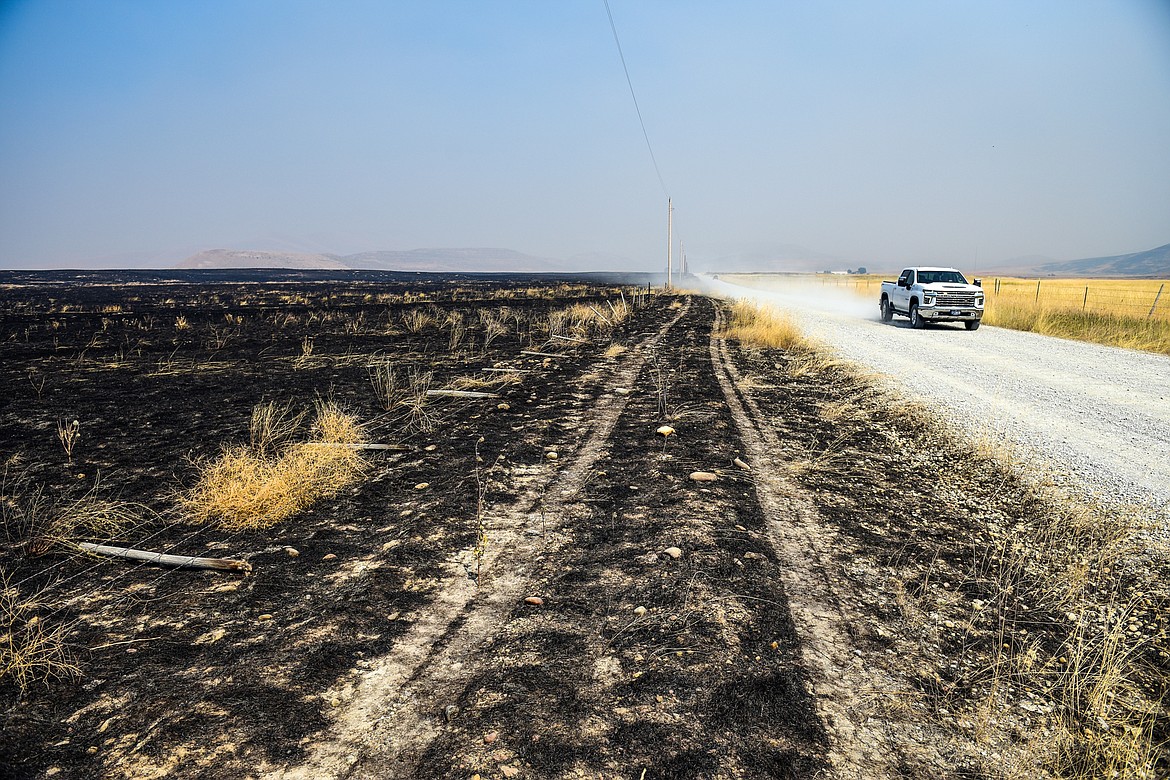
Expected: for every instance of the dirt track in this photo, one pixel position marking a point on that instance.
(1099, 416)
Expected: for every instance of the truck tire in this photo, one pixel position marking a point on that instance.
(916, 320)
(887, 310)
(971, 324)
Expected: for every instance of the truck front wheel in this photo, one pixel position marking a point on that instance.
(887, 310)
(916, 320)
(971, 324)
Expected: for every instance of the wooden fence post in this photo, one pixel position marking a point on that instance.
(1085, 302)
(1156, 297)
(1037, 291)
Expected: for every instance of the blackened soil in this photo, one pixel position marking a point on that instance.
(181, 667)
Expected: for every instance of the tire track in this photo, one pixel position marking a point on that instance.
(859, 746)
(387, 716)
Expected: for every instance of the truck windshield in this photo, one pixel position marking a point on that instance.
(940, 277)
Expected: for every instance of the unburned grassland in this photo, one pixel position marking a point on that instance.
(1118, 312)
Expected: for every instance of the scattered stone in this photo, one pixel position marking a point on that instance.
(490, 737)
(673, 552)
(264, 617)
(335, 702)
(92, 749)
(393, 616)
(211, 637)
(665, 430)
(330, 557)
(753, 556)
(535, 601)
(509, 771)
(742, 464)
(422, 486)
(551, 454)
(292, 552)
(431, 447)
(639, 611)
(703, 476)
(503, 407)
(450, 711)
(621, 390)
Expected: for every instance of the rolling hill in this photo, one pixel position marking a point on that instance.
(1150, 263)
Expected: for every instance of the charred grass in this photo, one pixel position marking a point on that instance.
(186, 395)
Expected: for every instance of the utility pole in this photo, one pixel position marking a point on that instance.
(669, 243)
(682, 250)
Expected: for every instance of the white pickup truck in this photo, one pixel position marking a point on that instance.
(933, 295)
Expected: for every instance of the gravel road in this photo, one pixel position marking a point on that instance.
(1097, 417)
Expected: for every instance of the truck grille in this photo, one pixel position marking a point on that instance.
(955, 299)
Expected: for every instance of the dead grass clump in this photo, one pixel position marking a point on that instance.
(251, 488)
(388, 385)
(416, 320)
(273, 425)
(495, 381)
(583, 320)
(764, 326)
(44, 522)
(30, 651)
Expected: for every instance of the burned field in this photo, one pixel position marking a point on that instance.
(525, 579)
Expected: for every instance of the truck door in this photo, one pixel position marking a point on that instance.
(902, 290)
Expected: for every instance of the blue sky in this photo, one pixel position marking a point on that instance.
(880, 133)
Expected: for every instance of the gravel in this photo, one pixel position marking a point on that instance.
(1096, 418)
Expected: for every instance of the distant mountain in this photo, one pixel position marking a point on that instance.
(433, 260)
(1150, 263)
(248, 258)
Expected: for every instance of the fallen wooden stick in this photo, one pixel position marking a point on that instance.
(462, 393)
(184, 561)
(599, 314)
(509, 370)
(566, 338)
(541, 354)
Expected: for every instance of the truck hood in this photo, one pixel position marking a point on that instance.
(944, 286)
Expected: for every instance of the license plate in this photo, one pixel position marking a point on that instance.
(955, 312)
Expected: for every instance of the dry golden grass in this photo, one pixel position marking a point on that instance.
(581, 320)
(1117, 329)
(764, 326)
(257, 487)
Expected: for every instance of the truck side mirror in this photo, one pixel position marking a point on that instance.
(977, 282)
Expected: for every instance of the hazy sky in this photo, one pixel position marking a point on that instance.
(881, 132)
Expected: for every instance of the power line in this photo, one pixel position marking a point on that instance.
(645, 135)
